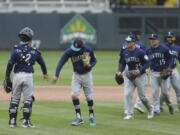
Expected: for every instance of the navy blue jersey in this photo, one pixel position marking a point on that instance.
(136, 60)
(160, 58)
(24, 57)
(138, 44)
(175, 53)
(76, 58)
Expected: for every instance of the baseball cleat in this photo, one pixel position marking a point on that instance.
(77, 122)
(125, 112)
(150, 114)
(12, 123)
(139, 109)
(171, 109)
(156, 113)
(27, 123)
(128, 117)
(161, 109)
(92, 122)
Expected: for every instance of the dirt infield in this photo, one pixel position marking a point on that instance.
(63, 93)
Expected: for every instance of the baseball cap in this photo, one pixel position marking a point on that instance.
(130, 38)
(77, 45)
(135, 32)
(153, 36)
(170, 34)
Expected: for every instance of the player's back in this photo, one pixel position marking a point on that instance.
(24, 58)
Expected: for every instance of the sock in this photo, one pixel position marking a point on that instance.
(77, 108)
(91, 110)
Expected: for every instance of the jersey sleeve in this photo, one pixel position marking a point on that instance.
(168, 59)
(178, 54)
(62, 61)
(41, 62)
(11, 62)
(122, 63)
(93, 60)
(144, 61)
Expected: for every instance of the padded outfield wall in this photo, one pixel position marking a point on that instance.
(103, 31)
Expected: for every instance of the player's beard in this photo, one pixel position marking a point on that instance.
(171, 42)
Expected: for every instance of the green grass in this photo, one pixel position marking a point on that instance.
(103, 72)
(54, 118)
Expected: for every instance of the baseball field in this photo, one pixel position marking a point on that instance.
(53, 111)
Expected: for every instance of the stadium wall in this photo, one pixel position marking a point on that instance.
(109, 28)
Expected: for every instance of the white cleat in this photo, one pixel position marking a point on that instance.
(128, 117)
(125, 112)
(150, 114)
(139, 109)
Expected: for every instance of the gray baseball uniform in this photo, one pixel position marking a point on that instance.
(160, 59)
(22, 59)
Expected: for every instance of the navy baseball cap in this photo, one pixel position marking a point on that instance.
(130, 38)
(170, 34)
(153, 36)
(135, 32)
(77, 45)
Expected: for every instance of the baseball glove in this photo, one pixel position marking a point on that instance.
(165, 73)
(119, 79)
(86, 59)
(7, 85)
(131, 75)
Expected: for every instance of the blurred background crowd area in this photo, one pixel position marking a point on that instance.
(101, 23)
(166, 3)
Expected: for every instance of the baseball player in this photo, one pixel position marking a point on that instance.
(137, 61)
(160, 59)
(174, 78)
(83, 60)
(139, 44)
(22, 59)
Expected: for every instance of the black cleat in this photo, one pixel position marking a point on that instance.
(27, 123)
(161, 109)
(171, 109)
(156, 113)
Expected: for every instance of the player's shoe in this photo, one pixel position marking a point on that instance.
(171, 109)
(12, 123)
(125, 112)
(150, 114)
(156, 113)
(92, 122)
(129, 117)
(139, 109)
(161, 109)
(27, 123)
(77, 122)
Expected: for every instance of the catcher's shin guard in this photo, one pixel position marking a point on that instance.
(27, 108)
(13, 113)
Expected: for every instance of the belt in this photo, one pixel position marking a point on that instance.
(157, 70)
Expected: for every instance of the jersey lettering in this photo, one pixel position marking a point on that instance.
(132, 59)
(156, 55)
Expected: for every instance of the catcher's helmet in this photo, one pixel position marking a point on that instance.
(77, 45)
(26, 34)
